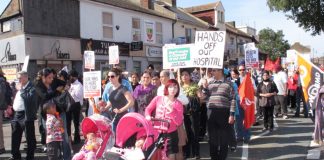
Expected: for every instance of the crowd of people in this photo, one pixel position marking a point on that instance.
(201, 104)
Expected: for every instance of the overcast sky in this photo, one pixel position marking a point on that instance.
(255, 13)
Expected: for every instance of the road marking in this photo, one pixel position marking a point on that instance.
(245, 147)
(314, 153)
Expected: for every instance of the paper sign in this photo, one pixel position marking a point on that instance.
(92, 84)
(291, 56)
(178, 56)
(251, 55)
(113, 55)
(25, 66)
(89, 59)
(209, 49)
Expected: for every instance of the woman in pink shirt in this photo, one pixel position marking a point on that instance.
(167, 107)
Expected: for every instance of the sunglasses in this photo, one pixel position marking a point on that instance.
(112, 77)
(241, 69)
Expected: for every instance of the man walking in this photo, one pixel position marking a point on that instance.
(281, 80)
(25, 107)
(221, 109)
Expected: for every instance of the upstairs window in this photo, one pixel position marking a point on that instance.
(159, 33)
(107, 25)
(188, 35)
(136, 29)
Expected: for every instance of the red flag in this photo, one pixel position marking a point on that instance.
(270, 65)
(246, 92)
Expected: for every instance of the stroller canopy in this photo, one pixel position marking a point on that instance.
(132, 123)
(94, 124)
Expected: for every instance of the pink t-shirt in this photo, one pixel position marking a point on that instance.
(175, 117)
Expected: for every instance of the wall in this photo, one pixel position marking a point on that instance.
(91, 22)
(52, 17)
(180, 31)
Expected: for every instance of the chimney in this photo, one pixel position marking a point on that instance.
(171, 2)
(149, 4)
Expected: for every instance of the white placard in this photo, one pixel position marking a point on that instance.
(25, 66)
(291, 56)
(178, 56)
(89, 59)
(209, 49)
(113, 55)
(251, 55)
(92, 84)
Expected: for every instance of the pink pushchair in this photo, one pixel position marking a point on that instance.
(128, 128)
(101, 126)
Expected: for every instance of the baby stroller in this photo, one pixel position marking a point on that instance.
(101, 126)
(128, 128)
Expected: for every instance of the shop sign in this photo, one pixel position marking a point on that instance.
(102, 47)
(137, 46)
(154, 52)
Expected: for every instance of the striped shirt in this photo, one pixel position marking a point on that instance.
(221, 95)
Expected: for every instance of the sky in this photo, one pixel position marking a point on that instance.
(255, 13)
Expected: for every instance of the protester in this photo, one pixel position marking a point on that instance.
(292, 90)
(3, 106)
(300, 97)
(25, 111)
(221, 109)
(266, 92)
(44, 93)
(280, 79)
(318, 132)
(156, 79)
(120, 99)
(168, 107)
(135, 80)
(191, 115)
(76, 91)
(144, 93)
(53, 131)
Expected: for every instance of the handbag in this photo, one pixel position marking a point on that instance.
(64, 101)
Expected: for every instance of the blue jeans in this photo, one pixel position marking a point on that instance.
(241, 132)
(300, 97)
(66, 143)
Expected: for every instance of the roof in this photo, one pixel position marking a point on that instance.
(12, 9)
(232, 29)
(126, 4)
(205, 7)
(186, 17)
(300, 48)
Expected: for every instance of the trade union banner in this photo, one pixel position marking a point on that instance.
(92, 84)
(209, 49)
(311, 78)
(251, 55)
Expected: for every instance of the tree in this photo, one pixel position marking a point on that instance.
(273, 43)
(309, 14)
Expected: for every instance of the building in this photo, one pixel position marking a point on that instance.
(46, 32)
(135, 26)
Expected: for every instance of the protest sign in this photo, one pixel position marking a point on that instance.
(312, 78)
(209, 49)
(89, 59)
(291, 56)
(251, 55)
(92, 84)
(113, 55)
(178, 56)
(25, 66)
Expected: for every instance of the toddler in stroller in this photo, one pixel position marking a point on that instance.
(99, 137)
(135, 138)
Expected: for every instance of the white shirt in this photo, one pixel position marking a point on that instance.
(281, 80)
(76, 91)
(182, 97)
(19, 104)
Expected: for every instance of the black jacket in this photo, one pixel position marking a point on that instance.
(43, 95)
(30, 101)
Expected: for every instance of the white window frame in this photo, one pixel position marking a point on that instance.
(6, 26)
(107, 25)
(158, 33)
(136, 29)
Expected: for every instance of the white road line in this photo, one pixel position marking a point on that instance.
(245, 147)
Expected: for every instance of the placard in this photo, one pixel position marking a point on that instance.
(89, 60)
(251, 55)
(25, 66)
(178, 56)
(291, 56)
(209, 49)
(113, 55)
(92, 84)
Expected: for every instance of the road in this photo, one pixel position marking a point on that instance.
(289, 141)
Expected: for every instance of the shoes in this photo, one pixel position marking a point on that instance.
(2, 150)
(296, 115)
(233, 148)
(246, 141)
(264, 129)
(44, 149)
(197, 157)
(256, 124)
(271, 129)
(11, 158)
(285, 117)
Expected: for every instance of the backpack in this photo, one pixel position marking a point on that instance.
(3, 91)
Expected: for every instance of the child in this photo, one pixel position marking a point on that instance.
(53, 131)
(88, 151)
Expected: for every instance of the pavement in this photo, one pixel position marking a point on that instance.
(290, 140)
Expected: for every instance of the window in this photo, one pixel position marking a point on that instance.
(136, 33)
(137, 67)
(159, 33)
(6, 26)
(220, 16)
(122, 65)
(232, 41)
(188, 35)
(107, 25)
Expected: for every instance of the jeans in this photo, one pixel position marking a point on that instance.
(192, 128)
(74, 114)
(300, 97)
(268, 117)
(241, 131)
(66, 142)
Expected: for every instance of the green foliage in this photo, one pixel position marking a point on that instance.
(309, 14)
(273, 43)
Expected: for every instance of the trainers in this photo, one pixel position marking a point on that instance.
(2, 150)
(285, 117)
